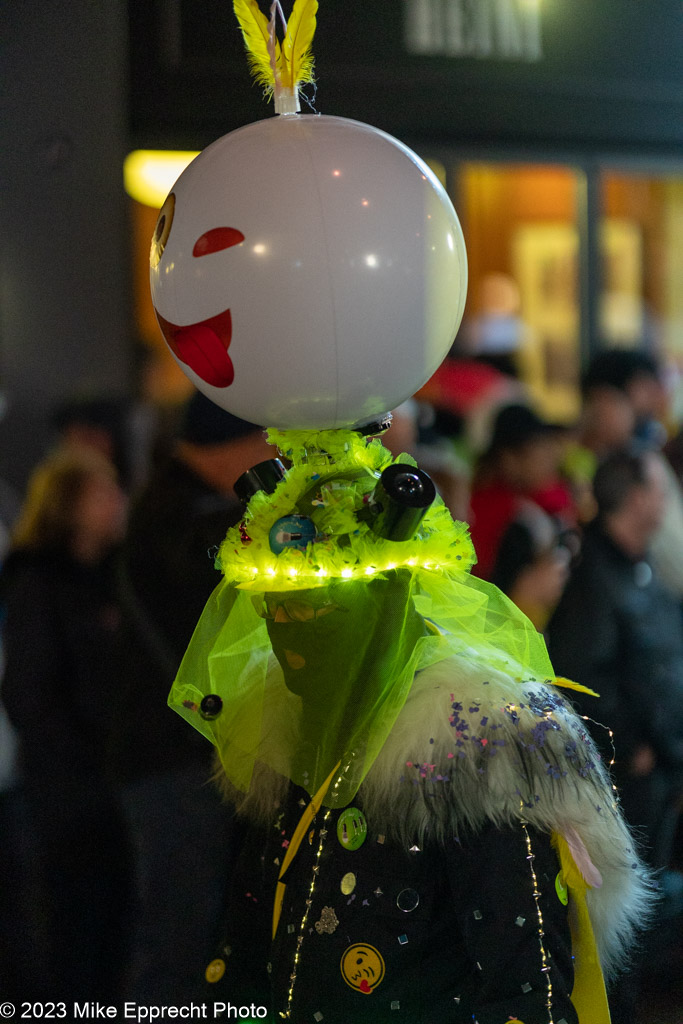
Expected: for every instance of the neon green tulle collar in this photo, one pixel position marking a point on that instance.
(321, 462)
(357, 677)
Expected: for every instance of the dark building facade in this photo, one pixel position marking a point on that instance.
(556, 127)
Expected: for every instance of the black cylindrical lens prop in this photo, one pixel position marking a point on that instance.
(401, 497)
(265, 476)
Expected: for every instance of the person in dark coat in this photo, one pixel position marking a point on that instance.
(61, 639)
(182, 833)
(620, 631)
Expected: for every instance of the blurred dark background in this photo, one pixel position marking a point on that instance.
(558, 116)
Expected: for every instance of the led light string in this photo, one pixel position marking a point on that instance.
(545, 963)
(287, 1012)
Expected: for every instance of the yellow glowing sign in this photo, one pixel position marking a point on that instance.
(149, 174)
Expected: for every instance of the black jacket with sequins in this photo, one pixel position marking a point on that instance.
(473, 929)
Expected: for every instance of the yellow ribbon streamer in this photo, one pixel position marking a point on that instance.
(588, 997)
(295, 842)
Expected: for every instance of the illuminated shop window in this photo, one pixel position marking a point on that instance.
(520, 225)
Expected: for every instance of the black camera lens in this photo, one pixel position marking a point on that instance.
(408, 485)
(265, 476)
(399, 502)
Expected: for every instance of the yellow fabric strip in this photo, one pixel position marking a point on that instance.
(295, 842)
(569, 684)
(589, 997)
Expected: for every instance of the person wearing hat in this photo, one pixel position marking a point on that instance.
(520, 511)
(167, 572)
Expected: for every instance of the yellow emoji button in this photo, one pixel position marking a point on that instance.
(362, 967)
(215, 971)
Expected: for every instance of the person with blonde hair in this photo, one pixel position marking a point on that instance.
(61, 638)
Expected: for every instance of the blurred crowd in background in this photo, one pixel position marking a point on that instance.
(116, 849)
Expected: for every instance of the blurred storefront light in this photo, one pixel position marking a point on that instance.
(149, 174)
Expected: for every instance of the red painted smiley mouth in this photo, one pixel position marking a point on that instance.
(203, 347)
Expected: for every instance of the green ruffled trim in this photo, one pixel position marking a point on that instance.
(246, 559)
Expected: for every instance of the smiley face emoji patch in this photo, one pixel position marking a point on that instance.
(362, 967)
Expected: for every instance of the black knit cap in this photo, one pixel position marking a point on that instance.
(617, 368)
(205, 423)
(517, 424)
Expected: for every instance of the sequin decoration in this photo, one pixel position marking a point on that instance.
(407, 900)
(348, 883)
(328, 921)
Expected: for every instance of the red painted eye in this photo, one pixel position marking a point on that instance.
(216, 240)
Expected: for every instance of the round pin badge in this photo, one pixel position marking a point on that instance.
(348, 883)
(362, 967)
(352, 828)
(215, 971)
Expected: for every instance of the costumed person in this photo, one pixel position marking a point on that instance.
(432, 835)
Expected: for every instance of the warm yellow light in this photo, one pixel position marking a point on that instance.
(150, 174)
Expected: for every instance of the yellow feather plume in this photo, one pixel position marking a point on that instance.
(296, 48)
(256, 33)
